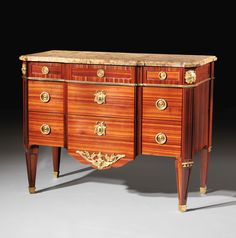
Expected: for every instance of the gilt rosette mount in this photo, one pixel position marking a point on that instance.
(190, 77)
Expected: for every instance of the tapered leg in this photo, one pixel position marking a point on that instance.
(31, 155)
(205, 156)
(56, 155)
(183, 171)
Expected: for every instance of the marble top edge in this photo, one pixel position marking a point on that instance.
(116, 58)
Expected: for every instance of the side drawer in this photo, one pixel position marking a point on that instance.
(162, 103)
(45, 96)
(163, 75)
(46, 129)
(45, 70)
(152, 138)
(101, 100)
(100, 134)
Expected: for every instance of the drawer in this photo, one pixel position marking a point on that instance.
(46, 129)
(103, 73)
(101, 100)
(45, 70)
(162, 103)
(100, 134)
(163, 75)
(45, 96)
(152, 138)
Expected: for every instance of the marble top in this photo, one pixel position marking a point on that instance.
(114, 58)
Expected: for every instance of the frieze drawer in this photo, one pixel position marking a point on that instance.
(45, 70)
(103, 73)
(163, 75)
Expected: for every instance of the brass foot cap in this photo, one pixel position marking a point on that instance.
(203, 190)
(182, 208)
(55, 174)
(32, 189)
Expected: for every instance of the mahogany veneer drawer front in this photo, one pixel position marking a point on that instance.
(161, 138)
(46, 129)
(103, 73)
(101, 100)
(46, 96)
(107, 108)
(163, 75)
(114, 128)
(45, 70)
(109, 135)
(162, 103)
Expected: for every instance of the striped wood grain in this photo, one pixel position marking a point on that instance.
(56, 92)
(172, 130)
(113, 74)
(201, 116)
(119, 137)
(173, 97)
(56, 70)
(56, 123)
(174, 75)
(119, 101)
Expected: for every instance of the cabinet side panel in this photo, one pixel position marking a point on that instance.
(203, 72)
(201, 116)
(25, 110)
(138, 112)
(211, 88)
(187, 125)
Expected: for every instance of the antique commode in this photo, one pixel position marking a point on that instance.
(107, 108)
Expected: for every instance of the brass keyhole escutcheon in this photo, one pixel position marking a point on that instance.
(44, 97)
(162, 75)
(45, 129)
(160, 138)
(100, 128)
(101, 73)
(100, 97)
(45, 70)
(161, 104)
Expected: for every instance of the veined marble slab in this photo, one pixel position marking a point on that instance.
(114, 58)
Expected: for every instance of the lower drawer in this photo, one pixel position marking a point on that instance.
(100, 134)
(160, 138)
(46, 129)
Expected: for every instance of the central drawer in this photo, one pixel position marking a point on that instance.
(101, 134)
(101, 100)
(103, 73)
